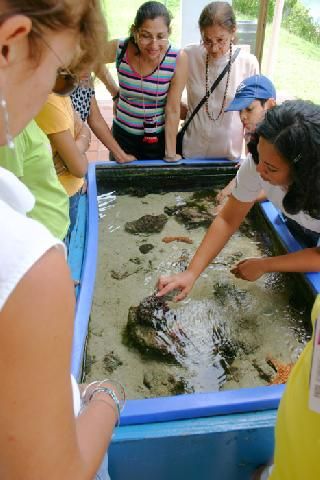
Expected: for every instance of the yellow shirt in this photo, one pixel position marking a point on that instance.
(298, 428)
(57, 116)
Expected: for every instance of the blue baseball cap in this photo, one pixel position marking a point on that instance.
(252, 88)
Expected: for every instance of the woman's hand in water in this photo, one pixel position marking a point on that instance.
(180, 281)
(249, 269)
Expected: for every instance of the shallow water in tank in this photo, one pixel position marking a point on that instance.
(251, 321)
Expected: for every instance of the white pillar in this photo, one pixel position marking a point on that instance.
(274, 43)
(190, 13)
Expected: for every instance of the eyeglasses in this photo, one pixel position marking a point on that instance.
(147, 38)
(66, 82)
(221, 42)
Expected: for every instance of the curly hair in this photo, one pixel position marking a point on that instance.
(83, 16)
(294, 129)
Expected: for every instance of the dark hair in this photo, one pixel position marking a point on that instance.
(294, 129)
(84, 16)
(150, 11)
(262, 101)
(218, 13)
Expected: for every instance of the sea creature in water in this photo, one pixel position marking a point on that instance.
(197, 211)
(282, 370)
(152, 310)
(151, 329)
(146, 224)
(177, 239)
(146, 247)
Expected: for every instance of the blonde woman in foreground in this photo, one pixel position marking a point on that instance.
(40, 437)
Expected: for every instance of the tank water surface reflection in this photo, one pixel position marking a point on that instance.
(221, 337)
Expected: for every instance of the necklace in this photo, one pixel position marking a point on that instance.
(208, 93)
(149, 123)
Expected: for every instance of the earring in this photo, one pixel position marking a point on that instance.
(5, 115)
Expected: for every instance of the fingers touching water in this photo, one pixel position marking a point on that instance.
(181, 282)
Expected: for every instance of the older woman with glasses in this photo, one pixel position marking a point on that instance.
(152, 75)
(212, 132)
(40, 437)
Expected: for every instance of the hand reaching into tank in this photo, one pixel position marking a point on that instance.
(249, 269)
(182, 282)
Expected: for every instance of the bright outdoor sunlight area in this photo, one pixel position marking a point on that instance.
(297, 56)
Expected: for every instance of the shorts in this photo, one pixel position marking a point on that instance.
(73, 213)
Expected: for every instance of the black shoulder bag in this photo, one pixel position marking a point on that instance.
(121, 54)
(183, 129)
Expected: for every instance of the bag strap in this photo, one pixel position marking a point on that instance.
(122, 53)
(213, 87)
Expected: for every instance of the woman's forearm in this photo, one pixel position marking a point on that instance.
(107, 79)
(307, 260)
(83, 139)
(222, 228)
(215, 239)
(94, 430)
(171, 129)
(102, 131)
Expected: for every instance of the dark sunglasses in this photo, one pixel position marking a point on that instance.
(66, 82)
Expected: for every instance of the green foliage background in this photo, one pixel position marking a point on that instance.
(296, 17)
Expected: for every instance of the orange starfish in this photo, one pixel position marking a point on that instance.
(177, 239)
(282, 370)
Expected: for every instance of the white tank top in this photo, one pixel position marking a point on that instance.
(23, 241)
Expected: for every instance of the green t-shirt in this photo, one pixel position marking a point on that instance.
(31, 161)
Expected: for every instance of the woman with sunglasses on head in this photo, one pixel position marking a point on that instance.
(212, 132)
(287, 169)
(39, 435)
(152, 75)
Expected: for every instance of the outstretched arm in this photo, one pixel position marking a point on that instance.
(172, 111)
(307, 260)
(221, 229)
(102, 71)
(107, 79)
(102, 131)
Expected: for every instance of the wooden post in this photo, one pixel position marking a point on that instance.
(261, 29)
(273, 49)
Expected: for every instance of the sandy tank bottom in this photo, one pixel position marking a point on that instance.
(257, 317)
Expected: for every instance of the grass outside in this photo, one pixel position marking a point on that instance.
(298, 61)
(297, 67)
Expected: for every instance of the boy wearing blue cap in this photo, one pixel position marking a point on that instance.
(254, 96)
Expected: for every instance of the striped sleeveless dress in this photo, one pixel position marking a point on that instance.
(143, 98)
